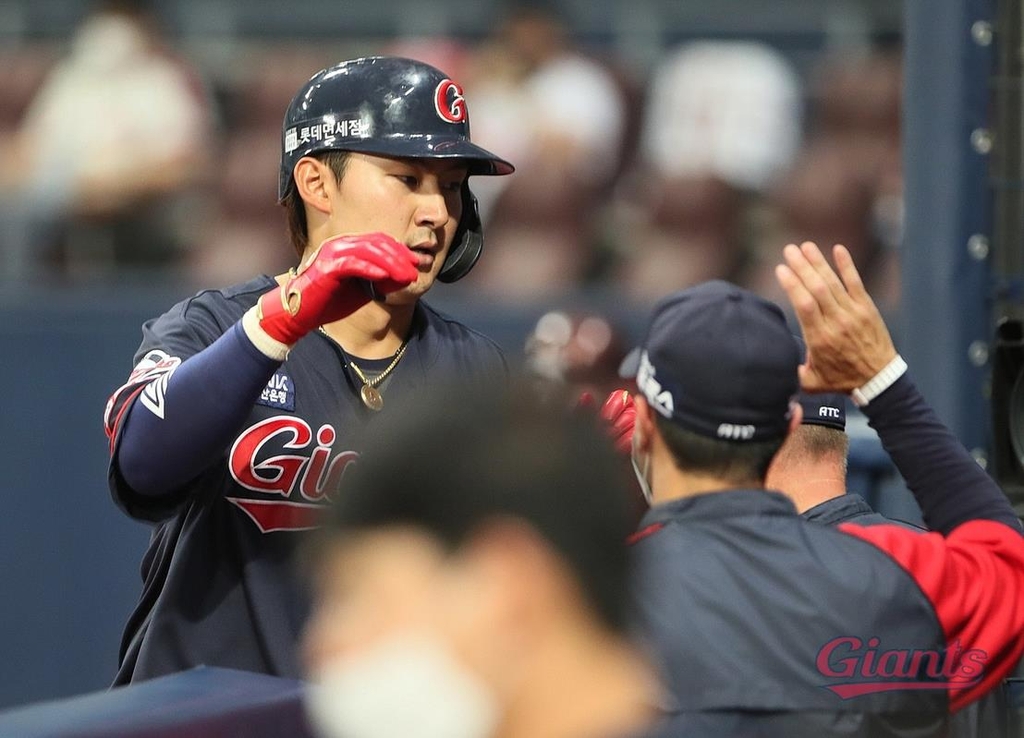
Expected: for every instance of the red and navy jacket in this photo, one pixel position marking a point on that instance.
(231, 454)
(767, 624)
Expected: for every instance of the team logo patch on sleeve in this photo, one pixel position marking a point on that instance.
(152, 366)
(279, 393)
(155, 368)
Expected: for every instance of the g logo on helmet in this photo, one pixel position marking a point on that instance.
(454, 111)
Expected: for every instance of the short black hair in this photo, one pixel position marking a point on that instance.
(743, 463)
(454, 463)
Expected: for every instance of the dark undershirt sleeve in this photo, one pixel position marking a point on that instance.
(199, 409)
(949, 485)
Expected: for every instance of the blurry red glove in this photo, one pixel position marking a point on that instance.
(326, 287)
(619, 413)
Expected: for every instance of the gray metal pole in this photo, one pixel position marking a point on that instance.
(946, 301)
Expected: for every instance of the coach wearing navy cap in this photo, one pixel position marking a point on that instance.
(811, 466)
(718, 373)
(765, 623)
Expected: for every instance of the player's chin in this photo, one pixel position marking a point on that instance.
(414, 291)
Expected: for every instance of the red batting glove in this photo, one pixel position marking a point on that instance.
(325, 289)
(619, 413)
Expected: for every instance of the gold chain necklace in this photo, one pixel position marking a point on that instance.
(369, 393)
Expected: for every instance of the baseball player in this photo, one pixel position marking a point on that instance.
(245, 404)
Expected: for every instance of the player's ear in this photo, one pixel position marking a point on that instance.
(313, 180)
(796, 416)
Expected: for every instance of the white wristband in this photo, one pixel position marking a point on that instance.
(270, 347)
(880, 382)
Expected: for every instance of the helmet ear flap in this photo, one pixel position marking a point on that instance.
(467, 243)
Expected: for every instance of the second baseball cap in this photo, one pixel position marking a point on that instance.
(719, 361)
(825, 409)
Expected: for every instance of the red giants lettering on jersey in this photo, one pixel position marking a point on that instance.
(295, 486)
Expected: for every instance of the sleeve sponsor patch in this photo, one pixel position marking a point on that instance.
(279, 393)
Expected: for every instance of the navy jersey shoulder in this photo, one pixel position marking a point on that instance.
(458, 343)
(192, 324)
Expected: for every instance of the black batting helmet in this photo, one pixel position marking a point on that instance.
(393, 107)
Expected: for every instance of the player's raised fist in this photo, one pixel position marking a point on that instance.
(619, 413)
(327, 288)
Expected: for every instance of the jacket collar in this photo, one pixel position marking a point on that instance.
(718, 505)
(838, 510)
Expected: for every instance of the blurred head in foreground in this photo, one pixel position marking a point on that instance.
(474, 580)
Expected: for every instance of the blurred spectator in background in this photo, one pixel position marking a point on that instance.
(569, 353)
(488, 597)
(722, 122)
(248, 232)
(562, 116)
(572, 358)
(102, 173)
(444, 52)
(846, 185)
(23, 67)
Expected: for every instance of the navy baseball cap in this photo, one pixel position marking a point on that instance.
(719, 361)
(825, 409)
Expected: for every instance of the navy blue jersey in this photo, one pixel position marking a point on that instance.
(220, 582)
